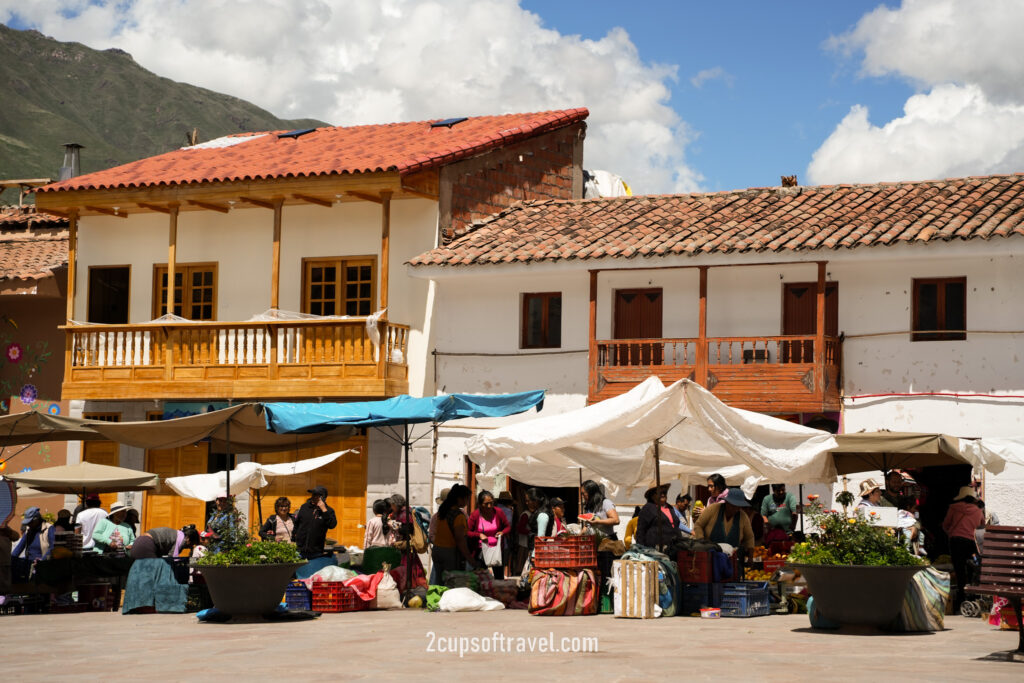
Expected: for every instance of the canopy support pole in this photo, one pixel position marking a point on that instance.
(259, 506)
(657, 465)
(580, 494)
(800, 492)
(227, 468)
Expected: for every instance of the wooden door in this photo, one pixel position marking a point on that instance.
(103, 453)
(800, 316)
(638, 315)
(345, 480)
(164, 507)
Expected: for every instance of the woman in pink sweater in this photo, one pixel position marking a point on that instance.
(962, 518)
(487, 525)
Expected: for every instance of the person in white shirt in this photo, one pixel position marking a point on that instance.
(88, 519)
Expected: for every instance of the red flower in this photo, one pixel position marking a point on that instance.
(813, 497)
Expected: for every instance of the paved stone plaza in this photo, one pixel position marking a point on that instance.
(393, 645)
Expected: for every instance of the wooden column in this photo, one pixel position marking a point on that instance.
(172, 256)
(72, 266)
(819, 333)
(701, 374)
(385, 276)
(592, 354)
(275, 267)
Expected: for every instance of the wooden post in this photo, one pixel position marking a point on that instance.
(172, 247)
(819, 334)
(592, 380)
(275, 267)
(385, 268)
(701, 376)
(72, 252)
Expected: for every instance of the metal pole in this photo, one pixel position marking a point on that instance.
(227, 469)
(259, 506)
(657, 465)
(800, 492)
(580, 494)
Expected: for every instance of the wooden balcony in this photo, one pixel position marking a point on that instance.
(236, 360)
(765, 374)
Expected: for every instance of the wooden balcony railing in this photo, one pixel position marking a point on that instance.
(767, 374)
(275, 359)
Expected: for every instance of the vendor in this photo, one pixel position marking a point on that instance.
(113, 533)
(658, 524)
(725, 522)
(892, 496)
(870, 494)
(962, 518)
(779, 509)
(604, 517)
(451, 550)
(312, 522)
(279, 526)
(164, 541)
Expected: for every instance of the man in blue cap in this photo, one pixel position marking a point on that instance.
(34, 543)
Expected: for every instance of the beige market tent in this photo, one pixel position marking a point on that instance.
(884, 451)
(85, 477)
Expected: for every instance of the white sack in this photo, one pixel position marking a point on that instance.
(466, 600)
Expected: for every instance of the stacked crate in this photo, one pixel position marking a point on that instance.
(699, 589)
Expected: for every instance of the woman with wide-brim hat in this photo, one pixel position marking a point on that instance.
(725, 522)
(870, 494)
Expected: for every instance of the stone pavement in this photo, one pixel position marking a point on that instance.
(393, 645)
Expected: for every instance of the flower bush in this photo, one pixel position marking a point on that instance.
(254, 552)
(850, 539)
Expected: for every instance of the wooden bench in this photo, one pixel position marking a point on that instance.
(1002, 569)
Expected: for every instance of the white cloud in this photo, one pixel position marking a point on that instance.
(968, 118)
(376, 61)
(714, 73)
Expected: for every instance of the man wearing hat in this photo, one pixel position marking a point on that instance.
(726, 522)
(312, 521)
(113, 533)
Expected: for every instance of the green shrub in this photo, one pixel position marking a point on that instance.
(254, 552)
(850, 539)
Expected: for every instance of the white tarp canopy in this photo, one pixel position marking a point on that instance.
(248, 475)
(614, 442)
(994, 453)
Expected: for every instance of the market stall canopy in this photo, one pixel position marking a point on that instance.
(696, 434)
(35, 427)
(994, 453)
(884, 451)
(304, 418)
(86, 477)
(248, 475)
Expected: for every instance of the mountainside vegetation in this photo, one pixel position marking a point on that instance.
(52, 93)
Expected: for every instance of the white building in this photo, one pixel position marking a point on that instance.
(895, 306)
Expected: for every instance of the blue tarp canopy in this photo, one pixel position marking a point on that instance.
(304, 418)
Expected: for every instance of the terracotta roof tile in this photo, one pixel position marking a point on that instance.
(395, 147)
(31, 244)
(755, 220)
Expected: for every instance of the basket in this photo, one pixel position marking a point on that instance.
(298, 597)
(335, 596)
(565, 552)
(745, 599)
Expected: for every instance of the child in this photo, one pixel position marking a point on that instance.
(558, 508)
(374, 537)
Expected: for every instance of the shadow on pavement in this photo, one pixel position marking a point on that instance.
(861, 631)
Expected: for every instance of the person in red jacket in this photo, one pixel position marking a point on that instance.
(487, 525)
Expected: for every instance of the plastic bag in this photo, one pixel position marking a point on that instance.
(333, 573)
(465, 600)
(491, 555)
(388, 596)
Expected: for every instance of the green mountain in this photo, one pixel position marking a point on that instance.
(52, 93)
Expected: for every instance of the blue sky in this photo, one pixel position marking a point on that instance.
(783, 90)
(683, 96)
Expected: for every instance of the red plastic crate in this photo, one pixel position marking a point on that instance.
(773, 564)
(334, 596)
(695, 567)
(565, 552)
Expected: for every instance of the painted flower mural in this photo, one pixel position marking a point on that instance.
(29, 394)
(54, 409)
(14, 352)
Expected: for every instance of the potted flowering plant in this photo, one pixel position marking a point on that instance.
(856, 570)
(250, 576)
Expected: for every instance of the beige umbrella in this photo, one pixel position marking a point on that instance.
(884, 451)
(85, 478)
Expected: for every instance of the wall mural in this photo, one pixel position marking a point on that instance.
(22, 361)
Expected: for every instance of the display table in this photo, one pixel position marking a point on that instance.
(75, 570)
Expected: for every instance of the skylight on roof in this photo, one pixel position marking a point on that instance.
(448, 123)
(296, 133)
(226, 141)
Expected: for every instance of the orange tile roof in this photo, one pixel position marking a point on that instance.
(32, 244)
(772, 220)
(395, 147)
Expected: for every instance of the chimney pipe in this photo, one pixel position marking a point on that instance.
(72, 163)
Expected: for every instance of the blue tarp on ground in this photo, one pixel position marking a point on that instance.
(304, 418)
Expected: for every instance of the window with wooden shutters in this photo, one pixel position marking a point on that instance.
(339, 286)
(542, 321)
(940, 309)
(195, 291)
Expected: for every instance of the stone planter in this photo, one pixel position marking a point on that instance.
(248, 588)
(855, 594)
